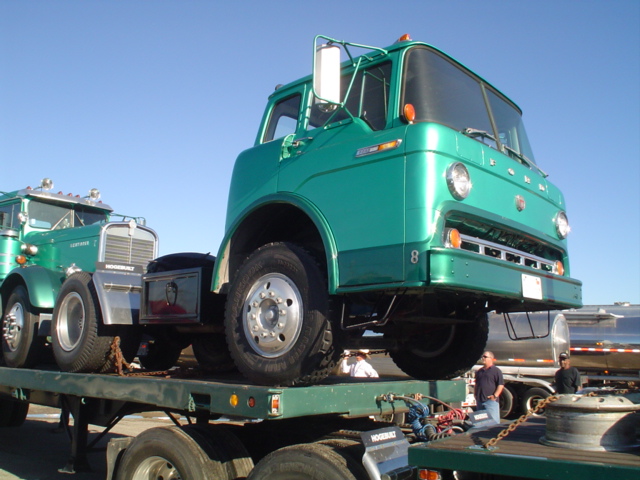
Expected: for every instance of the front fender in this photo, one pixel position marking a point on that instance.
(222, 274)
(42, 285)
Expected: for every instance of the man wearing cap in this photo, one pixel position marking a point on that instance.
(567, 377)
(489, 386)
(361, 368)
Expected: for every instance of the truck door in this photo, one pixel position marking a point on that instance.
(352, 169)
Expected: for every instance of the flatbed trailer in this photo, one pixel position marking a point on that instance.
(521, 455)
(306, 414)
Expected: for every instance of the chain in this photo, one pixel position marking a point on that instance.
(516, 423)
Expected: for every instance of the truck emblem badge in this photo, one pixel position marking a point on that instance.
(171, 293)
(520, 203)
(511, 171)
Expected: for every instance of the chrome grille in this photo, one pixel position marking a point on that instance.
(122, 244)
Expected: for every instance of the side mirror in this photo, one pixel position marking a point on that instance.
(326, 74)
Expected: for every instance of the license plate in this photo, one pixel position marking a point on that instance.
(531, 286)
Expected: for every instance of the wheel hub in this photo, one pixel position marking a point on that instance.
(12, 326)
(153, 468)
(71, 321)
(273, 315)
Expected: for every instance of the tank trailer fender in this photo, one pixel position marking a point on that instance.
(239, 233)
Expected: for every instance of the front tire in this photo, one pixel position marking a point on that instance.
(278, 318)
(531, 398)
(75, 336)
(21, 346)
(443, 352)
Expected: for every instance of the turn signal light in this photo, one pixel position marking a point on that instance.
(21, 260)
(453, 238)
(233, 400)
(559, 268)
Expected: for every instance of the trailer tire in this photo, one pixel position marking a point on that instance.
(311, 461)
(531, 398)
(21, 345)
(170, 452)
(506, 402)
(278, 318)
(78, 345)
(12, 412)
(232, 453)
(352, 451)
(443, 353)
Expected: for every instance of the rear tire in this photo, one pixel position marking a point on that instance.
(212, 353)
(311, 461)
(170, 453)
(278, 318)
(12, 412)
(21, 345)
(506, 402)
(531, 398)
(77, 343)
(444, 352)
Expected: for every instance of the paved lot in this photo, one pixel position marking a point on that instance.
(34, 452)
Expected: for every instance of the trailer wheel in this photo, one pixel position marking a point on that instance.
(311, 461)
(278, 318)
(212, 353)
(12, 412)
(506, 402)
(21, 345)
(231, 451)
(445, 351)
(77, 343)
(531, 398)
(170, 453)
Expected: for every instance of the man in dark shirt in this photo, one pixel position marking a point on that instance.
(567, 377)
(489, 386)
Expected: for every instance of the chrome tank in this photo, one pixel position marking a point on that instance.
(605, 338)
(536, 341)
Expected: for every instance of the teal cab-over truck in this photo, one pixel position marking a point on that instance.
(70, 278)
(389, 202)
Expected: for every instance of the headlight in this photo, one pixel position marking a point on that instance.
(458, 180)
(562, 225)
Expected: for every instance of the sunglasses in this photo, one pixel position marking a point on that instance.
(486, 356)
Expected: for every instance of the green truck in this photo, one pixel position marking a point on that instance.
(70, 278)
(389, 202)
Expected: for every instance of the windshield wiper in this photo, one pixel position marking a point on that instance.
(475, 133)
(524, 160)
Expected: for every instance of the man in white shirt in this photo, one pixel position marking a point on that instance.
(360, 368)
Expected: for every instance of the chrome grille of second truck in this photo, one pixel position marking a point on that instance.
(120, 247)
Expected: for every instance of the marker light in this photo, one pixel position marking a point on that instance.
(409, 112)
(452, 238)
(21, 260)
(429, 475)
(233, 400)
(458, 180)
(559, 268)
(405, 38)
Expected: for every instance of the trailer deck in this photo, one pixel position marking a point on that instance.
(521, 455)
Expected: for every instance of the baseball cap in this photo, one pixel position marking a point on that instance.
(564, 355)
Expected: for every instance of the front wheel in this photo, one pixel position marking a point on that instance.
(21, 345)
(442, 351)
(75, 338)
(531, 398)
(278, 318)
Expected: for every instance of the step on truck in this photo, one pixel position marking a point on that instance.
(224, 428)
(389, 202)
(70, 278)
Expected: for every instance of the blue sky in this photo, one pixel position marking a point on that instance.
(151, 101)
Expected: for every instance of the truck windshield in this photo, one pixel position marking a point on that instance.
(55, 217)
(443, 92)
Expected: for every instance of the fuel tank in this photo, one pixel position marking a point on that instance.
(528, 340)
(605, 338)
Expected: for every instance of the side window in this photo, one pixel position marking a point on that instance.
(368, 99)
(9, 216)
(284, 119)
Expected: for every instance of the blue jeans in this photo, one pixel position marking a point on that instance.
(493, 409)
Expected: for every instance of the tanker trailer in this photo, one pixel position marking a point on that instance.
(605, 342)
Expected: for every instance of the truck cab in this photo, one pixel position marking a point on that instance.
(390, 201)
(50, 242)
